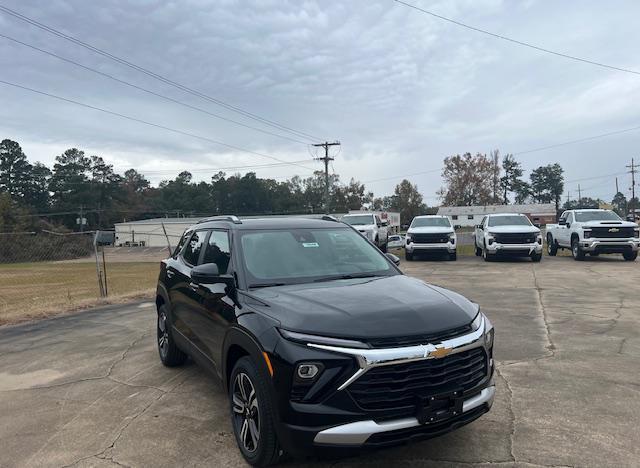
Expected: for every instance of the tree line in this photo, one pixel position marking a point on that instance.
(34, 196)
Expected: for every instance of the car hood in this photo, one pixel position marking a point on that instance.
(513, 229)
(618, 224)
(366, 308)
(430, 230)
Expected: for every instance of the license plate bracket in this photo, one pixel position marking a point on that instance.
(436, 408)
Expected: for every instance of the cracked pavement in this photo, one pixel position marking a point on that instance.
(89, 390)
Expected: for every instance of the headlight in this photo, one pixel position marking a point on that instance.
(636, 233)
(488, 328)
(303, 338)
(539, 239)
(587, 233)
(408, 238)
(452, 238)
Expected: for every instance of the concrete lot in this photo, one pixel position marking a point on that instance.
(89, 390)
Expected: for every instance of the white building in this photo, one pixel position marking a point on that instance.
(467, 216)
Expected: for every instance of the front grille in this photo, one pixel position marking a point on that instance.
(515, 238)
(426, 238)
(396, 387)
(413, 340)
(612, 232)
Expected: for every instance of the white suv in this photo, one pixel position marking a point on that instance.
(431, 233)
(370, 226)
(508, 234)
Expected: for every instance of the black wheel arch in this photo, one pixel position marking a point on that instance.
(239, 342)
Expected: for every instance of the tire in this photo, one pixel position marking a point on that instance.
(384, 247)
(408, 256)
(478, 251)
(486, 255)
(252, 414)
(576, 251)
(630, 256)
(536, 257)
(170, 354)
(552, 247)
(453, 256)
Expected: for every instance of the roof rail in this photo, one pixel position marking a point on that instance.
(234, 219)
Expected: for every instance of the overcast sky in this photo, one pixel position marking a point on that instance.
(400, 89)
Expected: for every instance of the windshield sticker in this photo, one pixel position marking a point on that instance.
(310, 244)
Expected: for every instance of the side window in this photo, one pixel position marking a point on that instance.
(454, 217)
(483, 222)
(217, 251)
(181, 243)
(194, 246)
(469, 216)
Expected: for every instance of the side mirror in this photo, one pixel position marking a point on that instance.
(395, 259)
(568, 225)
(208, 273)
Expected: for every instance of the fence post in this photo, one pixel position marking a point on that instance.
(98, 271)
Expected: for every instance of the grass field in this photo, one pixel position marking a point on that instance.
(36, 290)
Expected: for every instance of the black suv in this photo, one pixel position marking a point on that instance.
(319, 340)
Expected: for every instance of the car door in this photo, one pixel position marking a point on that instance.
(182, 295)
(479, 233)
(564, 231)
(215, 310)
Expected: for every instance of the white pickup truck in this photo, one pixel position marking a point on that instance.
(508, 234)
(370, 226)
(593, 232)
(430, 233)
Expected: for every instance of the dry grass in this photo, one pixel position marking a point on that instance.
(37, 290)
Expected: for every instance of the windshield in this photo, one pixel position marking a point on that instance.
(515, 220)
(359, 220)
(585, 216)
(306, 255)
(430, 222)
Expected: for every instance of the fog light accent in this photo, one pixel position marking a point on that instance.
(307, 371)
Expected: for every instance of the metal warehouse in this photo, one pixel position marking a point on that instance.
(467, 216)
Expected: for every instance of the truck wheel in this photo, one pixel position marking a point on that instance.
(478, 251)
(170, 354)
(486, 255)
(630, 256)
(536, 257)
(552, 247)
(408, 256)
(576, 251)
(384, 247)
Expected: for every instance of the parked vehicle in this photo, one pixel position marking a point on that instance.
(396, 241)
(319, 339)
(430, 233)
(507, 234)
(371, 227)
(593, 232)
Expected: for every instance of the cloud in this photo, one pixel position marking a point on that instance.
(400, 89)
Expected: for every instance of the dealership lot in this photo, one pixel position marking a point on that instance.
(89, 389)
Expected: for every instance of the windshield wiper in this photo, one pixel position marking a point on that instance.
(265, 285)
(347, 276)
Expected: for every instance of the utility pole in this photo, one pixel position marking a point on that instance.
(579, 196)
(632, 171)
(617, 191)
(568, 197)
(326, 160)
(81, 218)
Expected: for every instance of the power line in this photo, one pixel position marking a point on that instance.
(148, 91)
(580, 140)
(515, 41)
(154, 75)
(134, 119)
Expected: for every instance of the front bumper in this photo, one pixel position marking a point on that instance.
(515, 249)
(357, 433)
(610, 245)
(440, 247)
(336, 421)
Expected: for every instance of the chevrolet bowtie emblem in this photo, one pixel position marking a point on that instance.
(614, 230)
(440, 352)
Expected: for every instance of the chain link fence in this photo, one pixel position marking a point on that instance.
(46, 272)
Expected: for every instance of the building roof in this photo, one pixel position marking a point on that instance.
(531, 208)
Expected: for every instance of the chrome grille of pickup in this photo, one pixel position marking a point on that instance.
(427, 238)
(515, 238)
(396, 387)
(612, 232)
